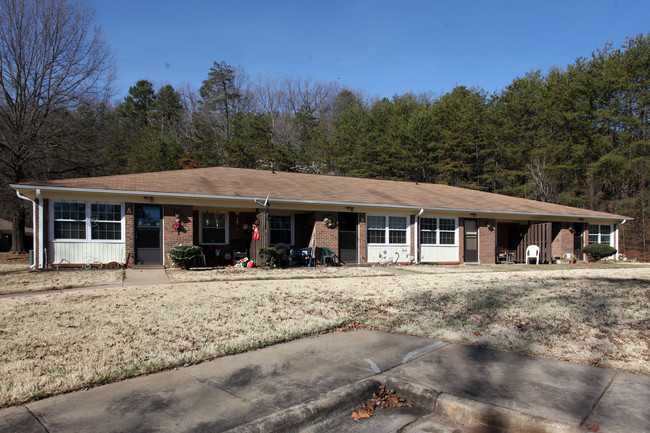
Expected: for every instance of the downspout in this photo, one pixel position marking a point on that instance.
(417, 237)
(38, 193)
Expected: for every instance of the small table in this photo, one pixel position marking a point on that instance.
(507, 256)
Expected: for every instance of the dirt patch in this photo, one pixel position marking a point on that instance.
(235, 274)
(18, 278)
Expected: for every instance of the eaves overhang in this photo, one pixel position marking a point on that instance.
(478, 212)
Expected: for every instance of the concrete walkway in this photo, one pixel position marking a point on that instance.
(314, 384)
(144, 277)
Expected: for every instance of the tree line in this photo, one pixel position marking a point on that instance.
(576, 135)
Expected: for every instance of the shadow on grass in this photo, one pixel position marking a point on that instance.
(596, 315)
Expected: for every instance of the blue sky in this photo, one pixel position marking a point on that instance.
(384, 47)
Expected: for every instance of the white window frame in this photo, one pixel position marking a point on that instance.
(226, 228)
(599, 234)
(387, 230)
(438, 231)
(88, 222)
(292, 219)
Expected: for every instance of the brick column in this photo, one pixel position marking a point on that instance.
(325, 236)
(562, 239)
(487, 242)
(363, 239)
(129, 234)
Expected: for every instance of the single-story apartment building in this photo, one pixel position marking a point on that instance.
(135, 219)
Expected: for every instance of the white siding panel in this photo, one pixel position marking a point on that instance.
(439, 253)
(86, 252)
(380, 253)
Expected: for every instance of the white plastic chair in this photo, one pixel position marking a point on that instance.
(532, 252)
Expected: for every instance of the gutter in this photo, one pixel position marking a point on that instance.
(314, 202)
(40, 233)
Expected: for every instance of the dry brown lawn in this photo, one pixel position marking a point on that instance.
(57, 342)
(16, 277)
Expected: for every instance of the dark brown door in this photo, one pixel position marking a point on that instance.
(148, 235)
(348, 249)
(471, 241)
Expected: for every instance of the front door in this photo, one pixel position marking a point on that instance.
(471, 241)
(578, 240)
(148, 234)
(348, 223)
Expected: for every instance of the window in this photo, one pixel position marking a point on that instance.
(71, 219)
(600, 234)
(280, 229)
(213, 228)
(376, 229)
(429, 231)
(434, 231)
(396, 230)
(391, 228)
(447, 231)
(106, 221)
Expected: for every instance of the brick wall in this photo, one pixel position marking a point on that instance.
(414, 241)
(173, 237)
(487, 241)
(46, 227)
(363, 239)
(129, 233)
(562, 240)
(37, 232)
(325, 236)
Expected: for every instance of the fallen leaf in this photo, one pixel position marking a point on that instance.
(593, 427)
(361, 414)
(478, 334)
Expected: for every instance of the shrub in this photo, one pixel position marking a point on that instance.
(271, 256)
(596, 252)
(185, 256)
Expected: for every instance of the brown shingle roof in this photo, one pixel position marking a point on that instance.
(236, 182)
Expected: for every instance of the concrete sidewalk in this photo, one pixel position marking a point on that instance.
(313, 384)
(145, 277)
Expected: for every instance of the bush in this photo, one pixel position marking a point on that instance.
(185, 256)
(271, 256)
(596, 252)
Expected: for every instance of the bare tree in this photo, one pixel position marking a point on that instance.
(542, 183)
(53, 59)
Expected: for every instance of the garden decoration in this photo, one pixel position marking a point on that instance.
(177, 224)
(244, 263)
(256, 230)
(329, 222)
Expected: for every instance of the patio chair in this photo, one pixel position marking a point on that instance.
(532, 252)
(327, 253)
